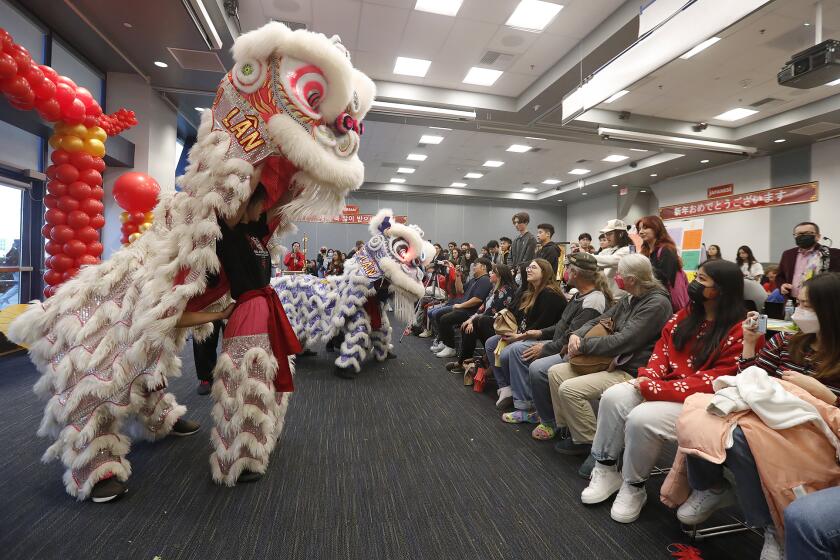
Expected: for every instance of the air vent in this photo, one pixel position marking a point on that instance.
(766, 101)
(816, 129)
(392, 165)
(197, 60)
(496, 60)
(294, 26)
(582, 161)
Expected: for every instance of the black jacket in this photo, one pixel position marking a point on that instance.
(550, 252)
(545, 312)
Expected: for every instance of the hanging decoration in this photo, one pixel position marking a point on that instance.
(137, 194)
(73, 202)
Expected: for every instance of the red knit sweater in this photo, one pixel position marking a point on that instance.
(671, 374)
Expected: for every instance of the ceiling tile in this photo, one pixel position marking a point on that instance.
(298, 11)
(425, 35)
(488, 11)
(544, 53)
(337, 17)
(512, 41)
(381, 28)
(579, 17)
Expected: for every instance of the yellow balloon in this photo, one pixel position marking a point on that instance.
(145, 226)
(96, 133)
(133, 237)
(72, 143)
(150, 217)
(94, 147)
(55, 141)
(78, 130)
(123, 217)
(61, 128)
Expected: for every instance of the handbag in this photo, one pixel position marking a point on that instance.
(504, 324)
(469, 374)
(584, 365)
(478, 380)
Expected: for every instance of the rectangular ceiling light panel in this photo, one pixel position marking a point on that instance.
(412, 66)
(533, 15)
(442, 7)
(701, 47)
(431, 139)
(482, 76)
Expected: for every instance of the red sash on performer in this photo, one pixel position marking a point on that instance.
(372, 308)
(284, 341)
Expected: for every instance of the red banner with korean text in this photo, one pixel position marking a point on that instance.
(781, 196)
(349, 219)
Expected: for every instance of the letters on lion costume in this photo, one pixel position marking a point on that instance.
(353, 304)
(290, 113)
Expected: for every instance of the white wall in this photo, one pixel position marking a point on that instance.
(154, 144)
(589, 216)
(825, 165)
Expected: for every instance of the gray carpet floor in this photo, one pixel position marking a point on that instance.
(403, 462)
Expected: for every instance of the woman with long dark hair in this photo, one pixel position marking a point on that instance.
(750, 267)
(713, 253)
(658, 246)
(466, 264)
(701, 342)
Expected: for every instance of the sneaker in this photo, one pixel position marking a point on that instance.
(184, 428)
(585, 470)
(203, 388)
(606, 481)
(447, 352)
(629, 503)
(248, 476)
(771, 550)
(521, 417)
(391, 356)
(505, 399)
(425, 334)
(452, 365)
(437, 347)
(569, 447)
(701, 504)
(107, 489)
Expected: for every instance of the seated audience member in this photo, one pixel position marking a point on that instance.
(336, 265)
(358, 247)
(475, 293)
(713, 253)
(658, 246)
(312, 267)
(548, 249)
(485, 253)
(592, 298)
(466, 263)
(811, 526)
(442, 289)
(807, 259)
(637, 322)
(769, 283)
(493, 252)
(810, 360)
(479, 327)
(454, 256)
(750, 267)
(618, 246)
(538, 306)
(602, 243)
(585, 243)
(294, 260)
(699, 343)
(504, 250)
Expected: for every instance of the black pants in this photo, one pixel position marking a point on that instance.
(449, 322)
(204, 353)
(482, 330)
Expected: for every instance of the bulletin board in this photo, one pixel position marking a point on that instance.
(688, 235)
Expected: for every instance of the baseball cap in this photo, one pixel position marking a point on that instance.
(614, 225)
(583, 261)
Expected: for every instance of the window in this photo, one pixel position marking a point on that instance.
(11, 202)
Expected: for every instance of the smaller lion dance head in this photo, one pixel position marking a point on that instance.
(399, 254)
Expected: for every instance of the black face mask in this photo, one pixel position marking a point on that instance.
(805, 241)
(696, 292)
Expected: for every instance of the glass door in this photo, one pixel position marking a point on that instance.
(11, 206)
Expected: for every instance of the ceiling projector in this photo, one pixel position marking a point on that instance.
(812, 67)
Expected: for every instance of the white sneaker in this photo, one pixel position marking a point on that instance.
(447, 352)
(504, 393)
(772, 550)
(605, 481)
(703, 503)
(425, 334)
(437, 346)
(629, 503)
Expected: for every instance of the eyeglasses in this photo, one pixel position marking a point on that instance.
(801, 233)
(532, 267)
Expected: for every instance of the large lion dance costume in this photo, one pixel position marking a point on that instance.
(107, 341)
(352, 305)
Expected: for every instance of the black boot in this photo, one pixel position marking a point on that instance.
(107, 489)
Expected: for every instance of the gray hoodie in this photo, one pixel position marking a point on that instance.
(638, 323)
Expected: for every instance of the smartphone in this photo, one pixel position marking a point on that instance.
(762, 324)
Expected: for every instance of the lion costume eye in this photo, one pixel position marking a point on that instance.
(249, 75)
(305, 83)
(401, 248)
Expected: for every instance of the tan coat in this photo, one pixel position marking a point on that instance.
(798, 457)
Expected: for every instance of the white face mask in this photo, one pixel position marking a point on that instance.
(806, 320)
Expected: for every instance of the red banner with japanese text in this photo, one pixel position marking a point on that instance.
(781, 196)
(349, 219)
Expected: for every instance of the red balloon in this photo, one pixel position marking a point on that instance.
(67, 203)
(55, 187)
(124, 239)
(49, 291)
(25, 103)
(61, 262)
(55, 217)
(85, 260)
(45, 89)
(51, 201)
(79, 190)
(8, 66)
(97, 193)
(94, 111)
(95, 249)
(64, 94)
(17, 87)
(60, 156)
(46, 229)
(91, 207)
(97, 222)
(99, 164)
(81, 160)
(129, 228)
(86, 235)
(22, 59)
(68, 82)
(52, 277)
(136, 192)
(91, 176)
(90, 121)
(137, 218)
(75, 248)
(48, 71)
(6, 42)
(69, 273)
(74, 113)
(77, 220)
(66, 173)
(85, 96)
(62, 234)
(34, 76)
(49, 109)
(53, 248)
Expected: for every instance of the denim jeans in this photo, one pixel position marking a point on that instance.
(703, 475)
(490, 350)
(812, 526)
(540, 389)
(517, 372)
